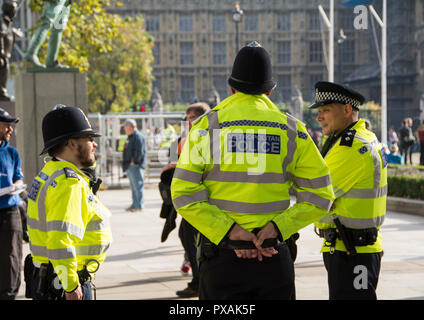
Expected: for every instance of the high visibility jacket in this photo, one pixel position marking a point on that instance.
(67, 224)
(358, 169)
(238, 164)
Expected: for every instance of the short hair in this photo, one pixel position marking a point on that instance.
(198, 108)
(130, 122)
(57, 149)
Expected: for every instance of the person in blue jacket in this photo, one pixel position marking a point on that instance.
(134, 163)
(10, 219)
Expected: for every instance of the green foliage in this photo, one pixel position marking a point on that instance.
(116, 54)
(407, 187)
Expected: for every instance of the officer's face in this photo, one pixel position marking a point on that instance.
(332, 118)
(6, 130)
(86, 148)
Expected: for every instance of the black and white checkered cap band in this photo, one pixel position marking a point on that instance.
(337, 97)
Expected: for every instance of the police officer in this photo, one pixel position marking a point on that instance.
(232, 184)
(68, 226)
(352, 247)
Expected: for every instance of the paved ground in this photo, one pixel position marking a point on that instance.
(139, 266)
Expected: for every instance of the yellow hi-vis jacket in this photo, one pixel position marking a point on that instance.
(238, 164)
(358, 169)
(67, 223)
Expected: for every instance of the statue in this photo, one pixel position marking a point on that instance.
(54, 17)
(157, 106)
(7, 40)
(296, 104)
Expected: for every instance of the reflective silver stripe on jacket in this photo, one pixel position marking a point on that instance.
(306, 196)
(53, 254)
(187, 175)
(92, 249)
(314, 183)
(237, 176)
(355, 223)
(250, 208)
(184, 200)
(56, 225)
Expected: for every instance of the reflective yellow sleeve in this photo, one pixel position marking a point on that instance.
(190, 196)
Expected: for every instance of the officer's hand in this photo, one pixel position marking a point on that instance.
(74, 295)
(238, 233)
(266, 232)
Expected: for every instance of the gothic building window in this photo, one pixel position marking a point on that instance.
(283, 23)
(186, 23)
(219, 55)
(219, 24)
(187, 88)
(283, 52)
(186, 53)
(251, 24)
(315, 51)
(152, 23)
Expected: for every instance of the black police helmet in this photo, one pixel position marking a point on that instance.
(252, 71)
(330, 92)
(63, 123)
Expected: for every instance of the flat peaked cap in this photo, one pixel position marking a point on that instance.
(7, 117)
(330, 92)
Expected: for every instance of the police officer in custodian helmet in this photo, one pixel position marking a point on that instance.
(68, 226)
(232, 184)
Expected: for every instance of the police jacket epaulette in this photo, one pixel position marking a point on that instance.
(347, 137)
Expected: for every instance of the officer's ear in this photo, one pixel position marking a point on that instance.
(347, 109)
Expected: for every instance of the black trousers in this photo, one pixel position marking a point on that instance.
(10, 252)
(188, 234)
(352, 277)
(225, 276)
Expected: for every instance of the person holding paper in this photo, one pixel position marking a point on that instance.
(10, 218)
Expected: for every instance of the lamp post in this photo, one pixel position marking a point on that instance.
(237, 16)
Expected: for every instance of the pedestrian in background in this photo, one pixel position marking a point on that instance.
(358, 169)
(134, 163)
(407, 140)
(420, 138)
(11, 232)
(69, 229)
(232, 184)
(394, 157)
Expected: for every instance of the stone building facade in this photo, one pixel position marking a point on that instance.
(196, 45)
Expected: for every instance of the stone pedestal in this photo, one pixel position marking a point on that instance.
(36, 93)
(9, 106)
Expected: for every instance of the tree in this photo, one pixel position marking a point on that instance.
(123, 76)
(115, 52)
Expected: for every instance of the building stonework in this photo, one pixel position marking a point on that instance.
(195, 46)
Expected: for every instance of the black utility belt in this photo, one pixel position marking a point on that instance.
(244, 245)
(357, 237)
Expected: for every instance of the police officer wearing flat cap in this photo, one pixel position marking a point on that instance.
(232, 184)
(352, 246)
(69, 230)
(10, 220)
